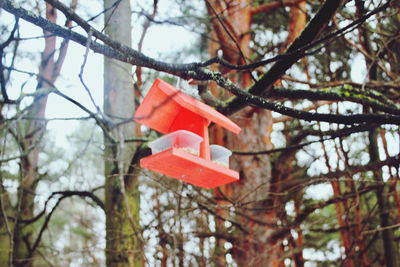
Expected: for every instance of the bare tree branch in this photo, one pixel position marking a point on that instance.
(64, 194)
(313, 29)
(257, 101)
(2, 46)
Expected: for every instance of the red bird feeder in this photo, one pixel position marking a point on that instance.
(184, 152)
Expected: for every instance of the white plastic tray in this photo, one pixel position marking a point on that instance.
(182, 139)
(220, 155)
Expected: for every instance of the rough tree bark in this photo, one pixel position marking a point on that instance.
(382, 191)
(231, 25)
(383, 204)
(231, 22)
(123, 242)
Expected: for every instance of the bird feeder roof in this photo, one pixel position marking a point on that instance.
(164, 107)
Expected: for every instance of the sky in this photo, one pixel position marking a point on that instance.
(172, 39)
(93, 71)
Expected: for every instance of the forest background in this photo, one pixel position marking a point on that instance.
(313, 84)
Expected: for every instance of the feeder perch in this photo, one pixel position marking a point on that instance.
(184, 152)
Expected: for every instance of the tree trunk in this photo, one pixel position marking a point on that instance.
(31, 136)
(383, 205)
(255, 174)
(123, 239)
(382, 191)
(231, 25)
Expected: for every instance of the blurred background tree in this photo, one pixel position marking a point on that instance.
(314, 86)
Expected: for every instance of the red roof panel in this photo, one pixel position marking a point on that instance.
(163, 103)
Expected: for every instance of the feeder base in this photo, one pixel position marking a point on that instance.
(184, 166)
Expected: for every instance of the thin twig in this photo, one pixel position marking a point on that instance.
(394, 226)
(2, 46)
(146, 26)
(113, 8)
(230, 36)
(85, 56)
(104, 124)
(271, 151)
